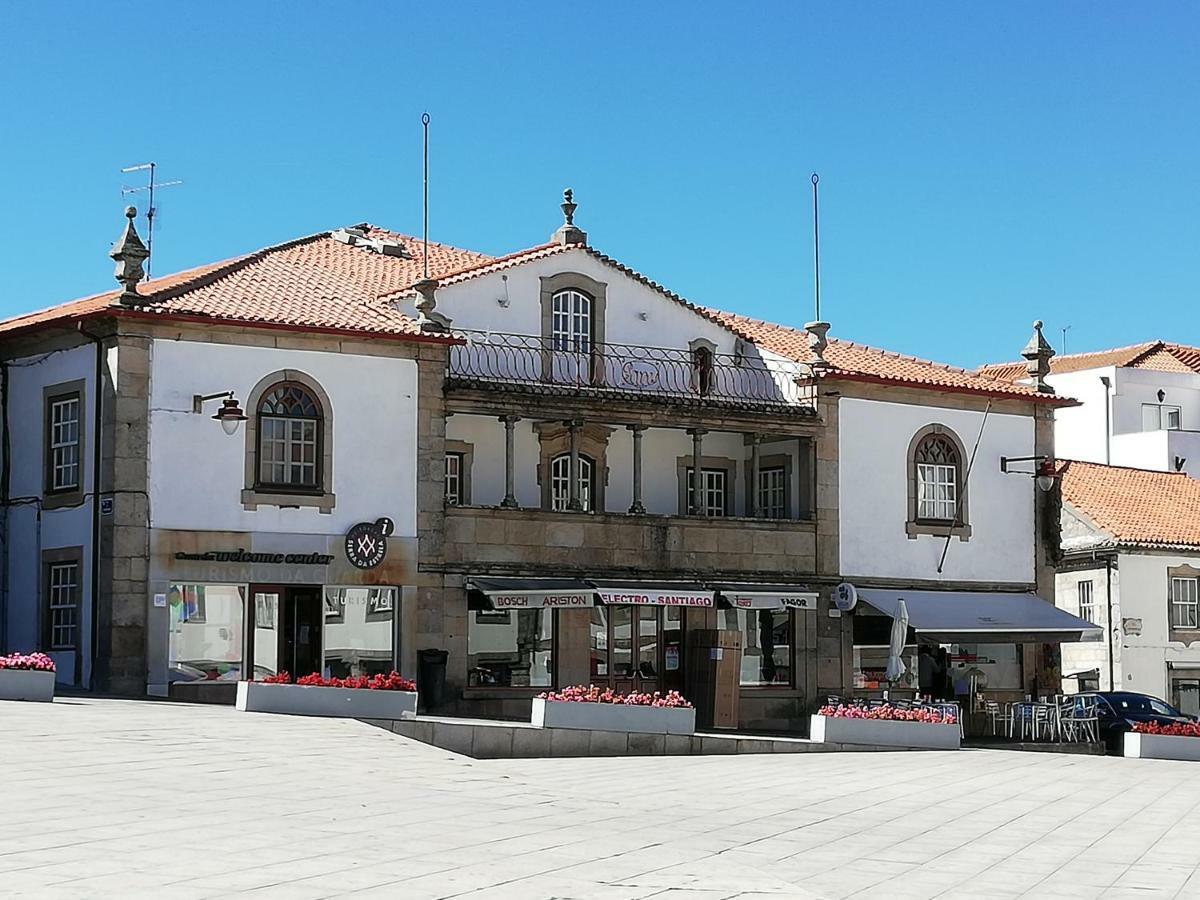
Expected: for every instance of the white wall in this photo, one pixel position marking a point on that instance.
(873, 496)
(1080, 431)
(29, 533)
(1138, 386)
(1143, 593)
(197, 472)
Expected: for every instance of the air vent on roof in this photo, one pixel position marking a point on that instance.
(357, 237)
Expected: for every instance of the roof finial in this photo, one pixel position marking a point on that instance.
(1037, 355)
(429, 319)
(129, 253)
(567, 232)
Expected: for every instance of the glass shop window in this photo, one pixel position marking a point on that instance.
(510, 648)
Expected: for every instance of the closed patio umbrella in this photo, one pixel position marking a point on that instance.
(895, 663)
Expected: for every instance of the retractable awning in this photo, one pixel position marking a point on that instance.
(530, 593)
(654, 593)
(766, 596)
(952, 617)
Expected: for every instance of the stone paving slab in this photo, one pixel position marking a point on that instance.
(109, 798)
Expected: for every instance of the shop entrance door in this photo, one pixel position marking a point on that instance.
(636, 648)
(287, 629)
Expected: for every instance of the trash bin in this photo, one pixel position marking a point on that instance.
(431, 676)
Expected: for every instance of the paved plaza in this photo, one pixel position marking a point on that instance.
(107, 798)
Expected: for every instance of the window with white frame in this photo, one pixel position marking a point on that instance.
(62, 470)
(62, 598)
(454, 479)
(713, 492)
(1087, 601)
(289, 439)
(571, 321)
(1185, 600)
(560, 482)
(1161, 417)
(771, 501)
(937, 465)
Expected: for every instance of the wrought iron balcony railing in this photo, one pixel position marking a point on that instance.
(536, 364)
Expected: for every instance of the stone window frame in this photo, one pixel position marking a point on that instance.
(59, 556)
(597, 292)
(784, 461)
(683, 463)
(1175, 632)
(52, 393)
(915, 526)
(324, 500)
(466, 452)
(554, 439)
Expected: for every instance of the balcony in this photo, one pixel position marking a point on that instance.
(698, 377)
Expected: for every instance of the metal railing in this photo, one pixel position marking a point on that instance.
(542, 365)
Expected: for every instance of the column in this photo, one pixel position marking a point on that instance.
(510, 497)
(752, 492)
(574, 426)
(697, 472)
(636, 507)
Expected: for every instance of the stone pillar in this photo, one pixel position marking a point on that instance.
(574, 426)
(636, 507)
(752, 492)
(697, 472)
(510, 497)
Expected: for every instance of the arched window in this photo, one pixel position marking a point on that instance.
(937, 487)
(290, 434)
(938, 465)
(571, 321)
(560, 482)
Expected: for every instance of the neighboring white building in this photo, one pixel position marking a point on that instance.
(1131, 564)
(1139, 405)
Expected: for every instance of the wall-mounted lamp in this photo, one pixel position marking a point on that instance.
(1043, 476)
(643, 316)
(504, 302)
(1162, 395)
(230, 414)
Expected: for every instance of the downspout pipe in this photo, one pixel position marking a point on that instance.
(1112, 626)
(1107, 382)
(97, 420)
(5, 491)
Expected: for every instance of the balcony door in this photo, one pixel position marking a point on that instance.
(571, 331)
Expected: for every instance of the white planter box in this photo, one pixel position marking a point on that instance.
(881, 733)
(1161, 746)
(613, 717)
(26, 684)
(300, 700)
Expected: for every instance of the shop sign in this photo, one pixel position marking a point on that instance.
(245, 556)
(776, 601)
(536, 601)
(657, 598)
(366, 543)
(845, 596)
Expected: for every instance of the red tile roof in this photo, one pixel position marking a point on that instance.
(314, 282)
(860, 362)
(1156, 355)
(1135, 506)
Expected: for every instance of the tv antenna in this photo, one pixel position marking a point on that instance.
(425, 188)
(150, 208)
(1066, 328)
(816, 251)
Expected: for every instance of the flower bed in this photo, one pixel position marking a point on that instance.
(27, 676)
(389, 696)
(1149, 740)
(592, 709)
(886, 726)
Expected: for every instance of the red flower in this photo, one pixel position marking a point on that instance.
(889, 713)
(1174, 729)
(393, 681)
(589, 693)
(37, 662)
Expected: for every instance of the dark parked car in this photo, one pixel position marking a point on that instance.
(1117, 711)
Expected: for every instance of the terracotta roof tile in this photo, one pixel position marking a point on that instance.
(848, 359)
(313, 282)
(1156, 355)
(1135, 506)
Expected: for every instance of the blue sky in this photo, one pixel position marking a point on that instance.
(981, 165)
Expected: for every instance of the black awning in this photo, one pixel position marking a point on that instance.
(766, 596)
(529, 593)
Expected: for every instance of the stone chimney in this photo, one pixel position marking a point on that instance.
(1037, 355)
(429, 319)
(567, 232)
(129, 253)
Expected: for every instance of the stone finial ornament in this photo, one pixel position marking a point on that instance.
(429, 319)
(568, 233)
(129, 253)
(817, 342)
(1037, 355)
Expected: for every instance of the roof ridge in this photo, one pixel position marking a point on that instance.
(1098, 465)
(1142, 346)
